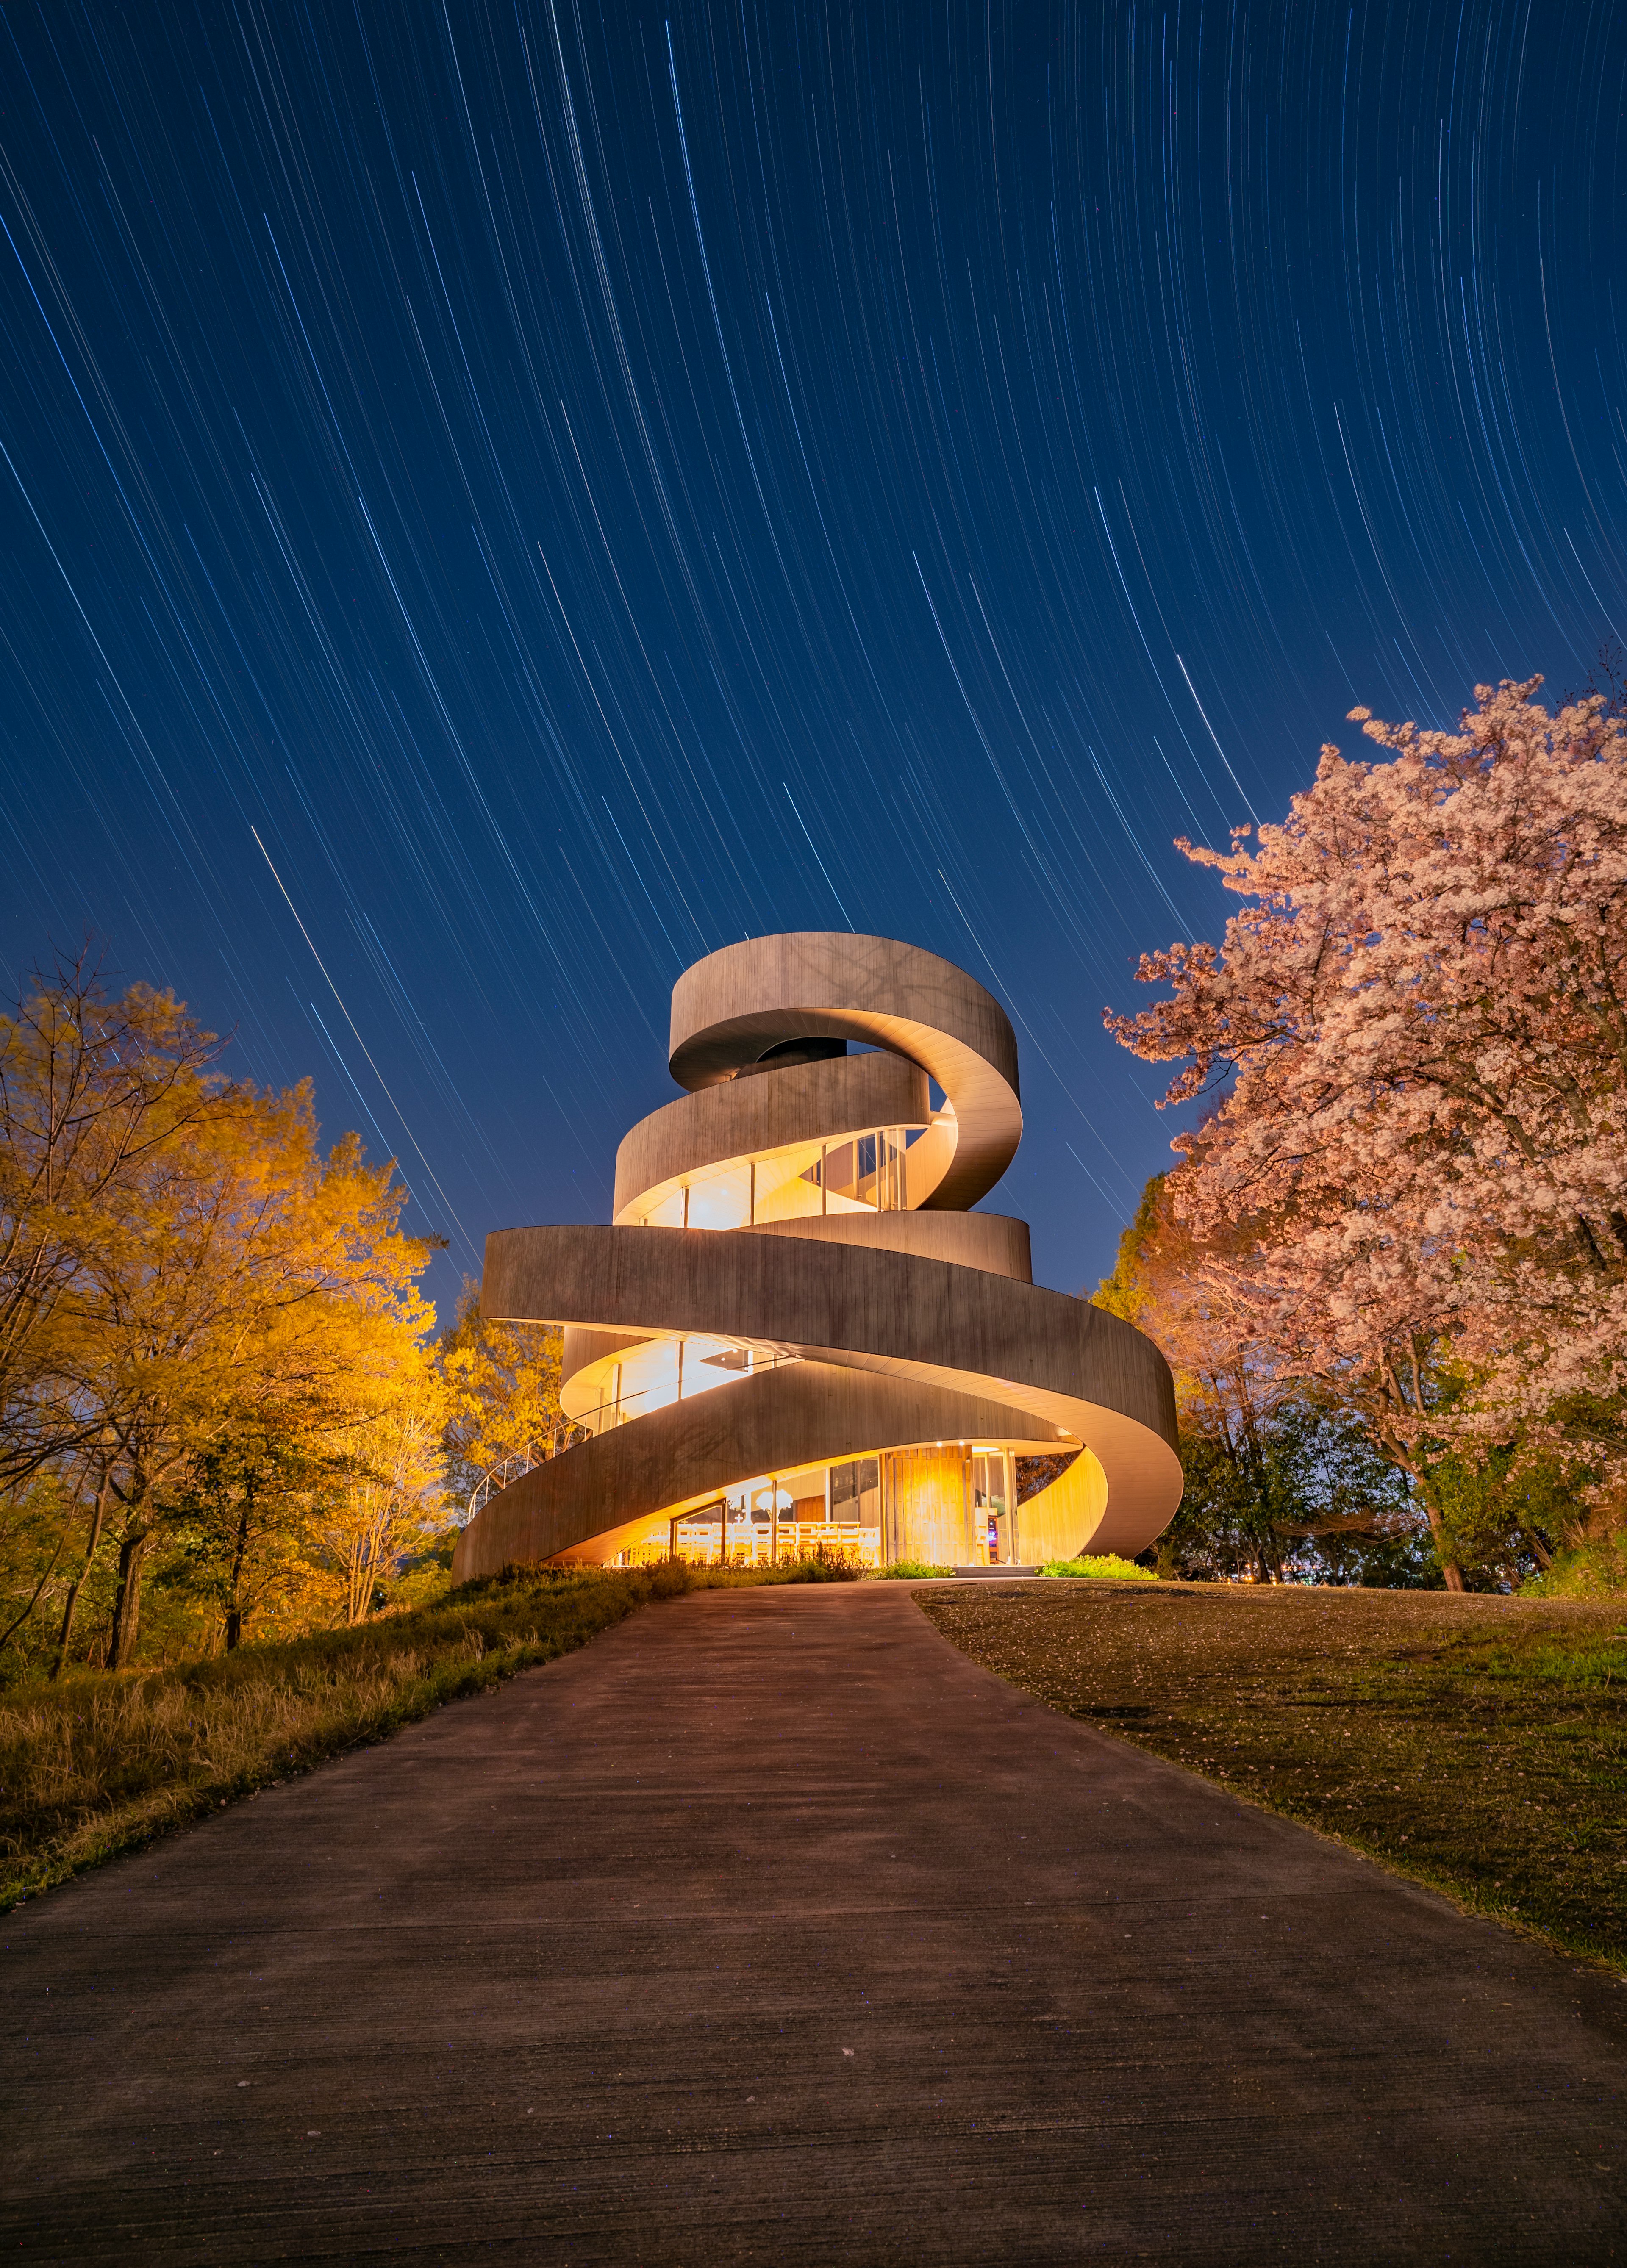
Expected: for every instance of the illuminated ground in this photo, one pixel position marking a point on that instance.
(769, 1927)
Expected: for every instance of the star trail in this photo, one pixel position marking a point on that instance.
(496, 502)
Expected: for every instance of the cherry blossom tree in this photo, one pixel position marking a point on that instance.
(1271, 1465)
(1412, 1174)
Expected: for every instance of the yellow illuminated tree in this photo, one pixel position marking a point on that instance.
(248, 1272)
(210, 1329)
(93, 1090)
(502, 1383)
(390, 1496)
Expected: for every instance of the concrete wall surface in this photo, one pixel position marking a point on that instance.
(730, 1008)
(1075, 1368)
(831, 1301)
(991, 1241)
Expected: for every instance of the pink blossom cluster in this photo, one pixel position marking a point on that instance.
(1414, 1039)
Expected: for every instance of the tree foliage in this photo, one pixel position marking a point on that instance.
(1407, 1188)
(93, 1092)
(502, 1384)
(1278, 1479)
(215, 1361)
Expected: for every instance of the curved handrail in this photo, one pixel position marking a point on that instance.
(492, 1482)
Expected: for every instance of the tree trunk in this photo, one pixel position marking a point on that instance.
(83, 1576)
(234, 1610)
(1449, 1566)
(127, 1600)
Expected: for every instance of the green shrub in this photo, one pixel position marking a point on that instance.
(1591, 1571)
(1108, 1568)
(911, 1571)
(819, 1565)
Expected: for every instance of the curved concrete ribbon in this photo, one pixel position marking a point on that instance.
(730, 1009)
(887, 1329)
(809, 1412)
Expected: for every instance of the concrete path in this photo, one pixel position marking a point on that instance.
(768, 1928)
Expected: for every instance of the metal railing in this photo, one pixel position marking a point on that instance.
(524, 1461)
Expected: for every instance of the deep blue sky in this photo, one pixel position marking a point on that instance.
(588, 486)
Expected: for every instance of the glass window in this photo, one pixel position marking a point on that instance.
(868, 1494)
(721, 1200)
(787, 1187)
(841, 1178)
(989, 1482)
(855, 1491)
(669, 1213)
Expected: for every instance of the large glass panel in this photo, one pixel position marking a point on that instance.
(721, 1199)
(788, 1186)
(698, 1535)
(989, 1480)
(867, 1189)
(890, 1185)
(804, 1494)
(742, 1504)
(669, 1213)
(854, 1497)
(845, 1184)
(854, 1525)
(991, 1503)
(869, 1496)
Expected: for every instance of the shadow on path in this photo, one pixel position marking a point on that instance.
(769, 1928)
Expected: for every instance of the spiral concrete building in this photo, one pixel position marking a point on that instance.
(795, 1333)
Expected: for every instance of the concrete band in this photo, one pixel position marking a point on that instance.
(906, 1323)
(808, 1102)
(731, 1007)
(1074, 1368)
(601, 1492)
(993, 1240)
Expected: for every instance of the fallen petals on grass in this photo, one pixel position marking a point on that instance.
(1478, 1744)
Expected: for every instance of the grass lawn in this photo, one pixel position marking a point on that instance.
(1477, 1744)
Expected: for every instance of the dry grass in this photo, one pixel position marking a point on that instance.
(97, 1764)
(1477, 1744)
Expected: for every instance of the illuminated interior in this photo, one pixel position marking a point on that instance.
(859, 1172)
(957, 1498)
(657, 1372)
(859, 1509)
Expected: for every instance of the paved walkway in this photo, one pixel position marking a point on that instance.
(768, 1928)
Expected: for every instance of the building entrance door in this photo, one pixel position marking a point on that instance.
(994, 1509)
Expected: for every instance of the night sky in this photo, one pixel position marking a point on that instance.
(498, 503)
